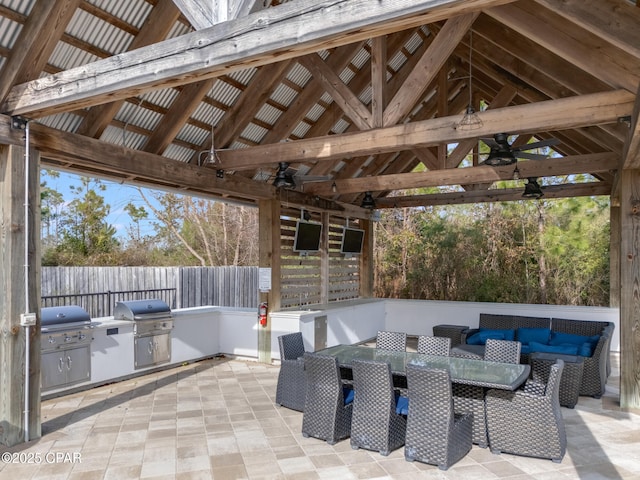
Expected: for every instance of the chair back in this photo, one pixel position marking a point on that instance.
(291, 346)
(553, 384)
(434, 345)
(430, 398)
(505, 351)
(323, 378)
(373, 386)
(391, 341)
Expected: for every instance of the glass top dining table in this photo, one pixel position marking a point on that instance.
(505, 376)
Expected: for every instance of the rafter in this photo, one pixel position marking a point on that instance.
(595, 162)
(37, 39)
(493, 195)
(257, 39)
(563, 113)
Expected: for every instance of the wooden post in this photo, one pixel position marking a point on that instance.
(324, 259)
(614, 255)
(366, 261)
(629, 293)
(13, 226)
(269, 258)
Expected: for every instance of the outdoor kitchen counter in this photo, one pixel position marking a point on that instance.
(195, 336)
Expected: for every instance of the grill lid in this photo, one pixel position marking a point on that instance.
(140, 309)
(71, 315)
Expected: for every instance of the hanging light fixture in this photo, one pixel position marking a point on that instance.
(283, 179)
(368, 202)
(209, 157)
(532, 189)
(470, 119)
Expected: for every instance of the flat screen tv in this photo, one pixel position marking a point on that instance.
(307, 237)
(352, 239)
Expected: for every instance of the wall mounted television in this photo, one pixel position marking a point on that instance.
(307, 238)
(352, 240)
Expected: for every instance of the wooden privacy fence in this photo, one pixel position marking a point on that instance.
(180, 287)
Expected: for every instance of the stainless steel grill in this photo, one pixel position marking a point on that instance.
(65, 346)
(153, 323)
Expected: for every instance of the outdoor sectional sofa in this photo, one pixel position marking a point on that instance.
(588, 339)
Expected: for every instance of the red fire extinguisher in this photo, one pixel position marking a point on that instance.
(262, 314)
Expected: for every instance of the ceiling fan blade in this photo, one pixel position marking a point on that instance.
(531, 156)
(312, 178)
(541, 144)
(490, 142)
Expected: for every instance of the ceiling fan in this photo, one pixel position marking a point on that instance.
(502, 153)
(287, 177)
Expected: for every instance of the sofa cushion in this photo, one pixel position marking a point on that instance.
(528, 335)
(559, 338)
(481, 337)
(585, 350)
(565, 349)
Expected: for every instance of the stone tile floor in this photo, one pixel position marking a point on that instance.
(216, 419)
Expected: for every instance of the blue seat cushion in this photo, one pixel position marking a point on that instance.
(348, 395)
(559, 338)
(402, 405)
(585, 350)
(527, 335)
(565, 349)
(481, 337)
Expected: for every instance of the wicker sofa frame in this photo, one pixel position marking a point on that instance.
(597, 368)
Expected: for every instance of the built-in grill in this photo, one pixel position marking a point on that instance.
(151, 331)
(65, 346)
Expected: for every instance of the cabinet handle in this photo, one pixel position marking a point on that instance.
(69, 362)
(60, 364)
(150, 347)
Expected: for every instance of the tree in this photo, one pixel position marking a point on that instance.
(86, 236)
(204, 232)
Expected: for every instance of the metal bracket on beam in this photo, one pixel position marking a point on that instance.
(626, 120)
(19, 123)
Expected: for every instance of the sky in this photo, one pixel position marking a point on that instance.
(116, 195)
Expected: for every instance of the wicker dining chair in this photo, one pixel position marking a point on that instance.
(471, 398)
(291, 388)
(527, 423)
(505, 351)
(435, 435)
(391, 341)
(375, 424)
(434, 345)
(328, 404)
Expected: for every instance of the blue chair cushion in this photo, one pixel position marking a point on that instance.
(565, 349)
(527, 335)
(348, 395)
(402, 405)
(481, 337)
(525, 349)
(559, 338)
(585, 350)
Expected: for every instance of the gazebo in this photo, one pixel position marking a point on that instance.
(319, 109)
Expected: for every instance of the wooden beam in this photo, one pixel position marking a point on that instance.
(493, 195)
(37, 39)
(20, 266)
(291, 30)
(559, 114)
(578, 51)
(629, 293)
(156, 27)
(174, 120)
(591, 163)
(378, 79)
(631, 155)
(134, 164)
(339, 91)
(612, 20)
(427, 68)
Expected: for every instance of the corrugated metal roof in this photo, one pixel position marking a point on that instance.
(98, 33)
(9, 32)
(133, 12)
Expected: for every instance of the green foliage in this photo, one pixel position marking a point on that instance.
(516, 252)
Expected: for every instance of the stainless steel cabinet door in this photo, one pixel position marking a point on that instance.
(53, 369)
